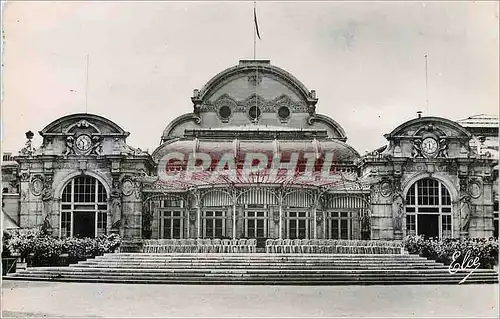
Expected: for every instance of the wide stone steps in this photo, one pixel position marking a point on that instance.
(257, 268)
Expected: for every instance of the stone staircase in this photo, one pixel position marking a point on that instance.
(257, 269)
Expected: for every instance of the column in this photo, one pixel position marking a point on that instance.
(234, 221)
(315, 223)
(188, 223)
(198, 217)
(281, 220)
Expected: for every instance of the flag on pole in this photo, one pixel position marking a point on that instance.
(255, 19)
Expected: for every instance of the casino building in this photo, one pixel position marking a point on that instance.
(434, 177)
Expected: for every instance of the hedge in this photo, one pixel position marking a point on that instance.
(486, 249)
(41, 249)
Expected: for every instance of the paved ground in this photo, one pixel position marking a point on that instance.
(38, 299)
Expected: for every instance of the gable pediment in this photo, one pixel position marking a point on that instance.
(429, 137)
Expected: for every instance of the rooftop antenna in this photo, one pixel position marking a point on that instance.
(427, 88)
(86, 83)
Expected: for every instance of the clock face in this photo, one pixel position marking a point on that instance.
(83, 142)
(429, 145)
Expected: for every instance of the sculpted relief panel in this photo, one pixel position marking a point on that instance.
(265, 105)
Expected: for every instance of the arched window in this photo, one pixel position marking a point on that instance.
(428, 209)
(84, 208)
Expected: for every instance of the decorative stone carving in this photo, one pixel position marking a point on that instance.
(70, 146)
(265, 105)
(416, 150)
(127, 187)
(225, 108)
(254, 78)
(47, 193)
(311, 109)
(398, 202)
(83, 123)
(124, 148)
(465, 210)
(276, 216)
(28, 150)
(46, 226)
(96, 145)
(464, 150)
(116, 204)
(385, 188)
(138, 190)
(475, 189)
(37, 185)
(429, 142)
(420, 167)
(443, 148)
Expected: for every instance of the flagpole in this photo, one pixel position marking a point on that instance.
(86, 83)
(427, 88)
(254, 56)
(254, 31)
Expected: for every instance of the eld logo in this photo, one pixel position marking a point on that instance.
(467, 263)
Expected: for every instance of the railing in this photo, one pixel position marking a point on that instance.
(301, 246)
(199, 245)
(333, 246)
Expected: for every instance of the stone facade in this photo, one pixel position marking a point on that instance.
(430, 178)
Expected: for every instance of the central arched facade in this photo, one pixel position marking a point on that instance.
(84, 208)
(429, 209)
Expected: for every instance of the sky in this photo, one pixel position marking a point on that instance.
(364, 59)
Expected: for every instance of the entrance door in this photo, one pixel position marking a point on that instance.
(84, 224)
(297, 225)
(255, 224)
(428, 225)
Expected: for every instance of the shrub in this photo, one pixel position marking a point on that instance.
(46, 251)
(22, 241)
(40, 249)
(82, 248)
(442, 250)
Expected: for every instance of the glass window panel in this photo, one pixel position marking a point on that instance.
(429, 196)
(80, 194)
(176, 228)
(101, 223)
(293, 229)
(102, 195)
(302, 229)
(344, 229)
(209, 228)
(445, 196)
(410, 224)
(336, 229)
(260, 228)
(446, 226)
(218, 228)
(66, 196)
(251, 228)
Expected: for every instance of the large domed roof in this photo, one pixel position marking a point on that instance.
(253, 92)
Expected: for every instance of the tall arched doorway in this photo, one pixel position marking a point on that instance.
(84, 208)
(428, 209)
